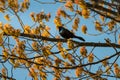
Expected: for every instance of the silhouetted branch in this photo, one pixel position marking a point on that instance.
(93, 63)
(6, 77)
(64, 40)
(101, 10)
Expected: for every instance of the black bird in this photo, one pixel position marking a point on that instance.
(67, 34)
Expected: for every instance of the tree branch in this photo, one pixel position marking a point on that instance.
(82, 65)
(98, 9)
(107, 16)
(6, 77)
(64, 40)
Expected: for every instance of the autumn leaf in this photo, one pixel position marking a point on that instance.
(83, 51)
(90, 57)
(7, 17)
(84, 29)
(78, 71)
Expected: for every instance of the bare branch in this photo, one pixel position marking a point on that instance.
(82, 65)
(64, 40)
(10, 78)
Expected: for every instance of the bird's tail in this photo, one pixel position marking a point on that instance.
(80, 38)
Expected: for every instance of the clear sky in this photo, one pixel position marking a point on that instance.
(22, 74)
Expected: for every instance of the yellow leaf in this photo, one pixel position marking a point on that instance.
(7, 17)
(8, 29)
(5, 54)
(117, 71)
(56, 77)
(62, 53)
(83, 51)
(81, 4)
(66, 64)
(46, 50)
(119, 41)
(59, 46)
(17, 33)
(35, 46)
(32, 71)
(1, 38)
(69, 5)
(107, 70)
(27, 64)
(85, 13)
(84, 29)
(12, 61)
(78, 71)
(90, 57)
(27, 29)
(105, 62)
(98, 26)
(32, 15)
(70, 58)
(111, 25)
(70, 44)
(57, 22)
(57, 61)
(67, 78)
(2, 10)
(16, 64)
(116, 65)
(102, 18)
(45, 33)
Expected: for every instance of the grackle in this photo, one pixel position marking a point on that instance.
(67, 34)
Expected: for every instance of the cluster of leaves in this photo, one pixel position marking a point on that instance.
(14, 4)
(35, 49)
(83, 10)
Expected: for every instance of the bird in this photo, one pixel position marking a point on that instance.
(65, 33)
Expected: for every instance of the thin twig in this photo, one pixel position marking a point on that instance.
(82, 65)
(65, 40)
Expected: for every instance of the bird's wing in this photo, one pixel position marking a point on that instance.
(66, 33)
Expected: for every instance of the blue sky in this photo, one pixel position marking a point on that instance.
(52, 8)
